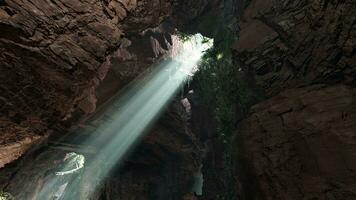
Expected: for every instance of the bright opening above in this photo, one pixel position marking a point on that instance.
(129, 116)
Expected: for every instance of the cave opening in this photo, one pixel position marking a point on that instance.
(120, 99)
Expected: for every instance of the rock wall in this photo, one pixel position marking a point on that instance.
(300, 142)
(59, 61)
(161, 167)
(164, 164)
(55, 54)
(291, 44)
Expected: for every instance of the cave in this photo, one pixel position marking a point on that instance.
(177, 100)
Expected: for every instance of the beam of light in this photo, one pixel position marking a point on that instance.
(130, 115)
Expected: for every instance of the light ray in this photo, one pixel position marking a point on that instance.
(131, 114)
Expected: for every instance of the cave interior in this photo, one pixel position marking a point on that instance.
(178, 100)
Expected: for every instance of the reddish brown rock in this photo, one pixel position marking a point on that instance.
(287, 44)
(162, 167)
(54, 55)
(59, 60)
(12, 146)
(16, 139)
(300, 144)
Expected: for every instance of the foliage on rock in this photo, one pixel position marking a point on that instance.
(220, 83)
(5, 196)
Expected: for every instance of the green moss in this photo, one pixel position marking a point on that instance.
(222, 85)
(183, 36)
(5, 196)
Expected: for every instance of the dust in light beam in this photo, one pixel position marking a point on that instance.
(132, 113)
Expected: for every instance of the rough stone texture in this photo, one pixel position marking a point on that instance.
(54, 54)
(161, 168)
(164, 165)
(60, 60)
(300, 143)
(13, 146)
(293, 43)
(136, 56)
(16, 139)
(204, 126)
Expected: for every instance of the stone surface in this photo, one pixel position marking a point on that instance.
(12, 146)
(60, 60)
(54, 55)
(16, 139)
(300, 144)
(285, 44)
(162, 167)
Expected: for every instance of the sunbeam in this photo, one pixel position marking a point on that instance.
(130, 115)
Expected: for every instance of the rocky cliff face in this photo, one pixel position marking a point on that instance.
(287, 44)
(165, 165)
(298, 144)
(162, 167)
(59, 61)
(54, 55)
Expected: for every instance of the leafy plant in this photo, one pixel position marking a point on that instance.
(221, 84)
(183, 36)
(5, 195)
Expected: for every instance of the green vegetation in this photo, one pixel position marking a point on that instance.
(223, 87)
(183, 36)
(222, 84)
(5, 195)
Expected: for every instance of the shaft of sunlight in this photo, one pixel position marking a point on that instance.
(132, 113)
